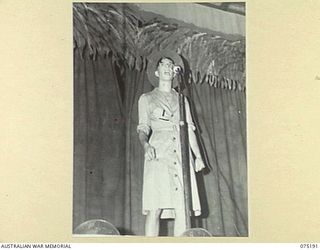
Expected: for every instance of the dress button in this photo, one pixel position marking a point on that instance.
(173, 138)
(171, 115)
(176, 189)
(175, 175)
(175, 163)
(174, 151)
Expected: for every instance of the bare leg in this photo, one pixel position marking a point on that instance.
(179, 222)
(152, 223)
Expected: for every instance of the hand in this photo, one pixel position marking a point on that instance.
(149, 152)
(199, 165)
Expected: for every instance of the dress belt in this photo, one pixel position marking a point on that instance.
(174, 127)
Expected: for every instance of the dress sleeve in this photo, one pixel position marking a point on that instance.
(144, 120)
(188, 116)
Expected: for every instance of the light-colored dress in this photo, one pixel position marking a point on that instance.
(163, 179)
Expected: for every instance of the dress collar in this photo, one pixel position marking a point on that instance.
(160, 97)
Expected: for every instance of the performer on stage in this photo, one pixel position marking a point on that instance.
(158, 129)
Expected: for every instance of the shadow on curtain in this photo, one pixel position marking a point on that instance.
(108, 159)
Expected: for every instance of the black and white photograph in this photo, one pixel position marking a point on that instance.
(138, 123)
(160, 120)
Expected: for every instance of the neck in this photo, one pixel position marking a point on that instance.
(165, 86)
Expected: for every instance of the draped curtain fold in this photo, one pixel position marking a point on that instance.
(108, 159)
(220, 116)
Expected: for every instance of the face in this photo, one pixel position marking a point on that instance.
(165, 70)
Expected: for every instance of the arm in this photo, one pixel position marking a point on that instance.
(143, 129)
(199, 165)
(194, 144)
(149, 151)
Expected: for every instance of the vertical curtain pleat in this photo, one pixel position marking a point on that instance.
(98, 143)
(93, 144)
(205, 116)
(134, 82)
(79, 175)
(221, 119)
(114, 143)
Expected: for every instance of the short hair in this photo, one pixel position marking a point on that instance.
(161, 58)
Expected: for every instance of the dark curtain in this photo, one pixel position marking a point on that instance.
(108, 159)
(220, 115)
(99, 142)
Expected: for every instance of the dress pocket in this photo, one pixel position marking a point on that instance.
(157, 113)
(161, 114)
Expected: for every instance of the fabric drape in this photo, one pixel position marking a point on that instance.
(108, 158)
(220, 116)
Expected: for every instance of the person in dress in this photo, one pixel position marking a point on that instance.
(158, 130)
